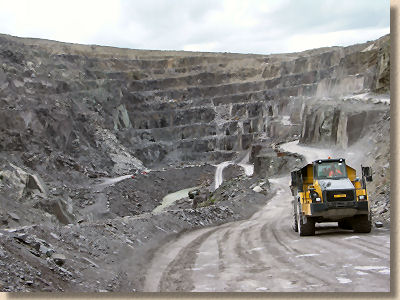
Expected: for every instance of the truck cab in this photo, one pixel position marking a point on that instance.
(327, 190)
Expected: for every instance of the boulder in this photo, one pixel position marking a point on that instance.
(378, 224)
(257, 189)
(14, 216)
(22, 182)
(59, 259)
(61, 208)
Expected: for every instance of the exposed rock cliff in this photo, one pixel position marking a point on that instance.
(71, 115)
(116, 105)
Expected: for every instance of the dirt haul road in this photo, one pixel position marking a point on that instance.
(265, 254)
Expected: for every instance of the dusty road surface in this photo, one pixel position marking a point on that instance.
(264, 254)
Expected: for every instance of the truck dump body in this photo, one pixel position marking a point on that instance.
(329, 191)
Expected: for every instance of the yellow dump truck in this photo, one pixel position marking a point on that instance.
(327, 190)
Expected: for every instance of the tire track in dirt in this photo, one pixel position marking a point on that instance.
(176, 277)
(287, 260)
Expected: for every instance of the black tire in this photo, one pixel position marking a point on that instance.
(294, 223)
(307, 228)
(362, 224)
(345, 224)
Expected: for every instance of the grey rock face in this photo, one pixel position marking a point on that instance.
(71, 115)
(136, 105)
(336, 122)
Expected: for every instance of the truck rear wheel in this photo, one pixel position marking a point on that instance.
(307, 228)
(362, 224)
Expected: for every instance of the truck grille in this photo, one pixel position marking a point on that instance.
(341, 195)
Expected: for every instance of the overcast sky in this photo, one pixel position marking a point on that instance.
(264, 26)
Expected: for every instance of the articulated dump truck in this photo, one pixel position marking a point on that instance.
(328, 190)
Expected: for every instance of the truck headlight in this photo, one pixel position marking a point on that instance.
(318, 199)
(313, 195)
(362, 197)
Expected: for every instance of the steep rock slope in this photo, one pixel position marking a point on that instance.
(69, 113)
(120, 104)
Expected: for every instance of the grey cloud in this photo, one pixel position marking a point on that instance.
(166, 16)
(176, 24)
(332, 15)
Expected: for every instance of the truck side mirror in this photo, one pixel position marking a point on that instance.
(367, 173)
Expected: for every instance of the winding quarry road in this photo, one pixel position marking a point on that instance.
(263, 254)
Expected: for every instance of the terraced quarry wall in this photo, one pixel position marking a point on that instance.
(78, 122)
(119, 109)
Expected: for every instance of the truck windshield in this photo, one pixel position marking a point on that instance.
(331, 170)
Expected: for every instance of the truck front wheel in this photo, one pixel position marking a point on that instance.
(361, 224)
(307, 228)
